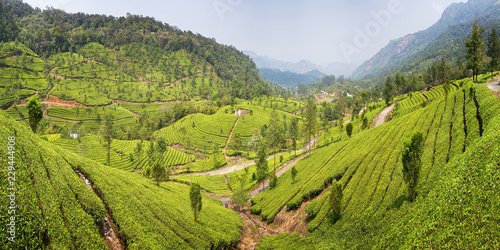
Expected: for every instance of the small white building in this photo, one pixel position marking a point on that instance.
(73, 134)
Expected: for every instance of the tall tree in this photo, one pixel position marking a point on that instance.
(348, 129)
(294, 132)
(240, 196)
(341, 126)
(261, 164)
(195, 196)
(294, 173)
(475, 50)
(411, 159)
(336, 199)
(311, 120)
(35, 112)
(388, 89)
(493, 50)
(159, 172)
(138, 149)
(275, 134)
(237, 142)
(108, 132)
(215, 152)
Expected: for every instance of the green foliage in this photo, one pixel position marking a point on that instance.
(195, 197)
(261, 164)
(294, 173)
(493, 50)
(35, 113)
(159, 173)
(273, 180)
(475, 49)
(388, 89)
(336, 199)
(348, 128)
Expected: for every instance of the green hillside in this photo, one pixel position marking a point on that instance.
(456, 203)
(55, 210)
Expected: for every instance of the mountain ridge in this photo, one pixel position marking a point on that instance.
(404, 47)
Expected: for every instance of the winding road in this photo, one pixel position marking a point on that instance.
(231, 169)
(381, 117)
(494, 86)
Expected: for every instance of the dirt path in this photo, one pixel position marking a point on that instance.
(229, 139)
(228, 170)
(494, 85)
(280, 171)
(381, 117)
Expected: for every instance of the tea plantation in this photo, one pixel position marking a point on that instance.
(459, 172)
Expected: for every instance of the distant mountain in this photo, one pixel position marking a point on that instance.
(301, 67)
(398, 50)
(290, 79)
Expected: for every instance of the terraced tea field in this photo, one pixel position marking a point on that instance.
(146, 215)
(94, 147)
(371, 155)
(202, 130)
(368, 165)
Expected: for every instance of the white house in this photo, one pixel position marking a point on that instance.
(73, 134)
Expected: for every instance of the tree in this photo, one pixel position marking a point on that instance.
(447, 87)
(294, 173)
(388, 89)
(411, 159)
(108, 132)
(341, 126)
(275, 134)
(159, 172)
(35, 112)
(161, 146)
(493, 50)
(311, 120)
(336, 199)
(273, 182)
(215, 152)
(294, 132)
(195, 196)
(475, 50)
(261, 164)
(348, 129)
(237, 142)
(240, 196)
(138, 149)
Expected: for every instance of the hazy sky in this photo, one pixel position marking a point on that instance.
(320, 31)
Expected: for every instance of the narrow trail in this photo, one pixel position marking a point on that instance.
(381, 117)
(229, 139)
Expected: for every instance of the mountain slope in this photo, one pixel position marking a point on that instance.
(142, 53)
(54, 209)
(402, 48)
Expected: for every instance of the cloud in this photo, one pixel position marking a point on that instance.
(438, 7)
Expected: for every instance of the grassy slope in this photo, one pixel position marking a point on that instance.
(457, 203)
(54, 205)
